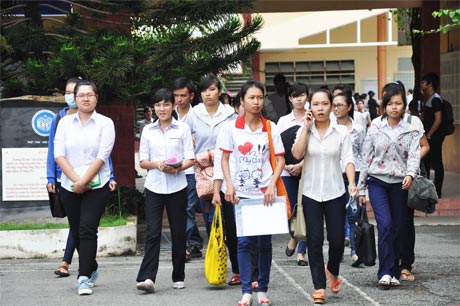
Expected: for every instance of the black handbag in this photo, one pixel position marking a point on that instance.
(56, 206)
(365, 239)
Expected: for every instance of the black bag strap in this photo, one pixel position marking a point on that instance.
(363, 217)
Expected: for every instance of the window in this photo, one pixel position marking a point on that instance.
(312, 73)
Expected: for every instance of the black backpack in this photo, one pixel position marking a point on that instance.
(288, 137)
(447, 123)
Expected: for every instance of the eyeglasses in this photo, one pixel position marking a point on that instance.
(88, 96)
(338, 106)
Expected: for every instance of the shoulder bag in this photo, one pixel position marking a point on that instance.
(215, 262)
(365, 239)
(297, 222)
(280, 188)
(204, 170)
(422, 195)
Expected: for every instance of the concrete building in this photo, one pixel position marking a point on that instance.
(356, 42)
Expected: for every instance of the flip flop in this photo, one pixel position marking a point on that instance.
(62, 271)
(334, 285)
(407, 275)
(234, 280)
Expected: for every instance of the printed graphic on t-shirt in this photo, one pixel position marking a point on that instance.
(250, 159)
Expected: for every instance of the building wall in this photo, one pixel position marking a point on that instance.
(450, 80)
(365, 59)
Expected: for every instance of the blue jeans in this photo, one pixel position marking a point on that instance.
(292, 188)
(264, 247)
(69, 249)
(207, 210)
(351, 215)
(389, 203)
(347, 228)
(193, 234)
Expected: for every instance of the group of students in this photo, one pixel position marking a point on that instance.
(342, 161)
(338, 154)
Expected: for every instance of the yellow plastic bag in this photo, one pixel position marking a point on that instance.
(215, 262)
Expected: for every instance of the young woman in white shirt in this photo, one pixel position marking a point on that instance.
(323, 189)
(165, 187)
(342, 106)
(84, 140)
(246, 139)
(298, 94)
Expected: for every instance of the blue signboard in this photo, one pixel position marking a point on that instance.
(46, 8)
(41, 122)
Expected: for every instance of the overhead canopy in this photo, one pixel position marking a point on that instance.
(284, 6)
(283, 31)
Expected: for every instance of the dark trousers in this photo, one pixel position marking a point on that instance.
(176, 208)
(228, 217)
(292, 187)
(433, 160)
(69, 249)
(408, 241)
(334, 213)
(193, 234)
(389, 203)
(84, 212)
(207, 209)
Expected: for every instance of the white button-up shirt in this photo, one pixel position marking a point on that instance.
(190, 170)
(393, 133)
(159, 145)
(323, 180)
(82, 144)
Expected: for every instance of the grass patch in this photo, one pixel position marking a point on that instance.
(106, 221)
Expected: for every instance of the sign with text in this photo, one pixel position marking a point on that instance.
(25, 127)
(24, 174)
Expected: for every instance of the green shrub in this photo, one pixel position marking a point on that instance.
(126, 201)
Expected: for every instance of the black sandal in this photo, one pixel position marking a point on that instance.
(302, 262)
(289, 252)
(62, 271)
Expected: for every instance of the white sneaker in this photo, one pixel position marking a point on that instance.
(178, 285)
(148, 286)
(83, 286)
(385, 281)
(93, 278)
(394, 282)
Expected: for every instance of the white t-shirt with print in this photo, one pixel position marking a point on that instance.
(251, 153)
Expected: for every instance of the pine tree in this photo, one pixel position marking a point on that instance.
(129, 48)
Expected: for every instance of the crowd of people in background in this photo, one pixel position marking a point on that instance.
(356, 148)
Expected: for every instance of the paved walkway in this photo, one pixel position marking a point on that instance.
(437, 270)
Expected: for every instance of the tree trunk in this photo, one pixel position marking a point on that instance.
(32, 11)
(415, 23)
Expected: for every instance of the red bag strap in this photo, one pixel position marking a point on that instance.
(280, 188)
